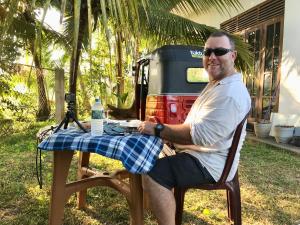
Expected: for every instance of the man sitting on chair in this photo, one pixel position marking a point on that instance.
(206, 135)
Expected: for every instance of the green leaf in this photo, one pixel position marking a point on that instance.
(122, 97)
(8, 17)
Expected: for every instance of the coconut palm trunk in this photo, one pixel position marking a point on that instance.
(44, 110)
(74, 63)
(120, 78)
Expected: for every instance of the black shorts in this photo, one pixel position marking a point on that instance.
(180, 170)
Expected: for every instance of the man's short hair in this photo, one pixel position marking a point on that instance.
(223, 33)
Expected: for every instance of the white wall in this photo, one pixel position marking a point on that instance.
(214, 18)
(289, 97)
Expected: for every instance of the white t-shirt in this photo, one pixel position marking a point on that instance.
(213, 119)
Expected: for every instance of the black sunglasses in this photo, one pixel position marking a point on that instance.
(216, 51)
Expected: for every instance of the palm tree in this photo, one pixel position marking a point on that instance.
(144, 19)
(26, 27)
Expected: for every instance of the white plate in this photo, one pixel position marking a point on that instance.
(131, 123)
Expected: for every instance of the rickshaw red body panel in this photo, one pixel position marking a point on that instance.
(169, 109)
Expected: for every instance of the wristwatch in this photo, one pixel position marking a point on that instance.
(158, 128)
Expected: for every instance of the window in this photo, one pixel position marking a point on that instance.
(197, 75)
(270, 73)
(264, 41)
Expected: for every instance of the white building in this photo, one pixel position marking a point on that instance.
(272, 28)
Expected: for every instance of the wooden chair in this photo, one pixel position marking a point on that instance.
(232, 187)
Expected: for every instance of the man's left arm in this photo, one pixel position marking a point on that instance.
(175, 133)
(217, 121)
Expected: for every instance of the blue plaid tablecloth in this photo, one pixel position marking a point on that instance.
(137, 152)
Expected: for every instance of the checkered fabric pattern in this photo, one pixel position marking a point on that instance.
(137, 152)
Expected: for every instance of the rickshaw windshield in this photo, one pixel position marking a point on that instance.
(196, 75)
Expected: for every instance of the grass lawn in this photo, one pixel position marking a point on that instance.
(269, 177)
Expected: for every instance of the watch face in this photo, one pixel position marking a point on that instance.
(159, 127)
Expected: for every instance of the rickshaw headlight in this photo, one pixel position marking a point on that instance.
(173, 108)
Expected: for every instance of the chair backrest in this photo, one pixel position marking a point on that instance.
(232, 151)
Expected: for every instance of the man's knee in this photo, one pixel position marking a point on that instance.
(150, 185)
(147, 182)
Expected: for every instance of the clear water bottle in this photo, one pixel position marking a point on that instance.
(97, 118)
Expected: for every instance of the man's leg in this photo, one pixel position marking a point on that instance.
(162, 201)
(180, 170)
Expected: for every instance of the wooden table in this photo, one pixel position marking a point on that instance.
(61, 190)
(124, 148)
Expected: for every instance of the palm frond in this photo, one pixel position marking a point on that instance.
(168, 28)
(25, 30)
(197, 6)
(33, 4)
(38, 39)
(104, 20)
(6, 17)
(68, 24)
(62, 10)
(244, 58)
(8, 14)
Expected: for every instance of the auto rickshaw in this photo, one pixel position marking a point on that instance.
(168, 81)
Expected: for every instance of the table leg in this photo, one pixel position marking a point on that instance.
(136, 206)
(61, 165)
(84, 160)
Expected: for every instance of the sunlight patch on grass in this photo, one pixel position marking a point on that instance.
(39, 194)
(104, 163)
(252, 197)
(209, 206)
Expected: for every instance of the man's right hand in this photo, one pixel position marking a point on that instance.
(147, 127)
(153, 119)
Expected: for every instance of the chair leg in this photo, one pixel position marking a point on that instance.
(179, 198)
(229, 212)
(234, 202)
